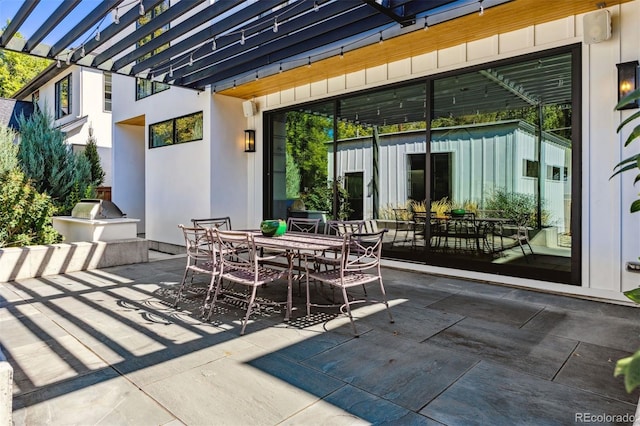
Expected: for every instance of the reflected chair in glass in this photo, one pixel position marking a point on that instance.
(359, 265)
(241, 263)
(517, 234)
(419, 227)
(201, 257)
(338, 228)
(223, 223)
(343, 227)
(403, 226)
(306, 225)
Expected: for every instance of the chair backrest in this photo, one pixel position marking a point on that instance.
(198, 243)
(401, 214)
(223, 223)
(362, 251)
(344, 227)
(236, 249)
(299, 224)
(420, 217)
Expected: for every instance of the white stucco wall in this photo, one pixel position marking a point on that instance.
(610, 234)
(128, 190)
(198, 179)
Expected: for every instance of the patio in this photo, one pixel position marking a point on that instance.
(105, 346)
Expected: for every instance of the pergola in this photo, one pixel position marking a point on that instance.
(243, 47)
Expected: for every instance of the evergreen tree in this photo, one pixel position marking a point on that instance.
(91, 152)
(8, 150)
(51, 164)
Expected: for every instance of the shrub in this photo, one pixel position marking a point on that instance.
(8, 149)
(50, 164)
(25, 214)
(320, 197)
(516, 206)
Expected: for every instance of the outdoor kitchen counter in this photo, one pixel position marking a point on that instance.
(77, 229)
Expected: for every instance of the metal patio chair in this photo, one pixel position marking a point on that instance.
(201, 257)
(299, 224)
(359, 265)
(241, 263)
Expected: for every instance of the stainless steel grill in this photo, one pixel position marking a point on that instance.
(90, 208)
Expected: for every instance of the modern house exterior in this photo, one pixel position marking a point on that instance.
(179, 154)
(79, 100)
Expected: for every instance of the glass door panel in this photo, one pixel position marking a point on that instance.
(302, 162)
(382, 136)
(502, 138)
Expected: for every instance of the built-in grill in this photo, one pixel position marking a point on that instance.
(93, 208)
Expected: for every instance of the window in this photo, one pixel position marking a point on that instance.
(464, 138)
(530, 168)
(107, 91)
(63, 97)
(146, 87)
(177, 130)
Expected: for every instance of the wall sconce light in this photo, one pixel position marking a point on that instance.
(249, 141)
(627, 81)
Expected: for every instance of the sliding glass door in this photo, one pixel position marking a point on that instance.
(476, 169)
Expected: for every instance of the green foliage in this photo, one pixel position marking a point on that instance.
(8, 149)
(292, 178)
(556, 118)
(50, 164)
(630, 366)
(25, 214)
(91, 152)
(17, 69)
(306, 142)
(632, 163)
(519, 207)
(320, 197)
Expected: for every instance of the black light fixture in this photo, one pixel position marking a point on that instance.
(249, 140)
(627, 81)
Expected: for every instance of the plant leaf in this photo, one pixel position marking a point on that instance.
(635, 206)
(633, 295)
(628, 120)
(630, 368)
(635, 134)
(631, 97)
(624, 169)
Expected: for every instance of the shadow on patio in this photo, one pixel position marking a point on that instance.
(105, 346)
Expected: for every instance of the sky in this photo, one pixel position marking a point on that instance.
(8, 9)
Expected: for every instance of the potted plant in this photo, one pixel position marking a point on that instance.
(630, 366)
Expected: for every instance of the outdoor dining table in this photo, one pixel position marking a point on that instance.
(481, 227)
(296, 244)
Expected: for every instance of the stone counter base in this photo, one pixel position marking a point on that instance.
(36, 261)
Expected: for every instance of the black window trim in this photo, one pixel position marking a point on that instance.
(173, 136)
(57, 97)
(572, 278)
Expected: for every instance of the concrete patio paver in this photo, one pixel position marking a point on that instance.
(107, 347)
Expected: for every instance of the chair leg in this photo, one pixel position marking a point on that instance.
(182, 284)
(348, 307)
(246, 317)
(308, 293)
(212, 284)
(386, 303)
(215, 298)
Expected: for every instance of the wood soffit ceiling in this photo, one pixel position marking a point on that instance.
(496, 20)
